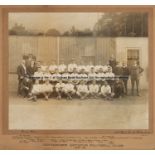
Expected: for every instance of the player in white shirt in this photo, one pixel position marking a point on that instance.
(43, 66)
(47, 89)
(65, 75)
(46, 75)
(71, 66)
(74, 76)
(100, 75)
(82, 75)
(109, 67)
(56, 76)
(53, 67)
(36, 90)
(98, 66)
(88, 67)
(105, 68)
(82, 90)
(59, 88)
(110, 77)
(110, 74)
(62, 67)
(69, 89)
(92, 75)
(81, 66)
(38, 64)
(38, 74)
(106, 91)
(94, 89)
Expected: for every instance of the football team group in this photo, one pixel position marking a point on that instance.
(76, 80)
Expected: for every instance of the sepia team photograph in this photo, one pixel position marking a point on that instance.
(78, 70)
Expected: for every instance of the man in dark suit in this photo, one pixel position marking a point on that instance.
(135, 72)
(31, 69)
(112, 62)
(118, 71)
(22, 72)
(125, 76)
(118, 88)
(26, 86)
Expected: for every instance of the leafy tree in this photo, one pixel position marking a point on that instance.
(122, 24)
(17, 29)
(12, 32)
(52, 32)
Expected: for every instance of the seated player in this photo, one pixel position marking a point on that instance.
(65, 75)
(59, 88)
(109, 67)
(56, 76)
(81, 66)
(47, 89)
(46, 74)
(100, 76)
(105, 68)
(62, 67)
(92, 75)
(38, 74)
(43, 66)
(110, 77)
(109, 73)
(106, 91)
(94, 89)
(26, 86)
(36, 90)
(53, 67)
(38, 64)
(69, 89)
(74, 76)
(82, 90)
(118, 88)
(97, 67)
(89, 66)
(71, 66)
(82, 75)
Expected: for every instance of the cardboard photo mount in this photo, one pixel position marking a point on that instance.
(73, 139)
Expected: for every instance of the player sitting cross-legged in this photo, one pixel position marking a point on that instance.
(59, 88)
(69, 89)
(106, 91)
(47, 89)
(36, 90)
(94, 89)
(82, 90)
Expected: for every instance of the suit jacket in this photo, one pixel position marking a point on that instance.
(135, 71)
(119, 86)
(31, 70)
(26, 84)
(21, 71)
(112, 63)
(126, 73)
(118, 71)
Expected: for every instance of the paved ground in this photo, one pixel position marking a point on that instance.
(126, 113)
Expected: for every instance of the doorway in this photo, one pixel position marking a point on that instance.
(132, 56)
